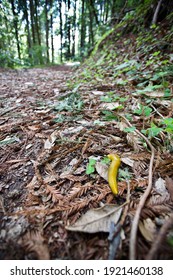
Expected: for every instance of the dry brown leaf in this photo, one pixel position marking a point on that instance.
(160, 186)
(50, 142)
(97, 220)
(148, 229)
(97, 92)
(128, 161)
(102, 170)
(34, 127)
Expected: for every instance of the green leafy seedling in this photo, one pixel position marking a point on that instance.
(153, 131)
(90, 166)
(143, 110)
(168, 122)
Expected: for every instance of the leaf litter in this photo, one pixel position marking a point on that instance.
(50, 135)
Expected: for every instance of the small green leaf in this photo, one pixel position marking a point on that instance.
(123, 99)
(147, 111)
(153, 131)
(156, 53)
(90, 166)
(124, 174)
(167, 93)
(129, 129)
(105, 160)
(106, 99)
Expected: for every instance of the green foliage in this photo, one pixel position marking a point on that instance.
(129, 129)
(168, 125)
(143, 110)
(105, 160)
(7, 59)
(70, 103)
(90, 166)
(124, 174)
(109, 116)
(153, 131)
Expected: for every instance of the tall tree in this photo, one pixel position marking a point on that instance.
(51, 30)
(74, 29)
(61, 29)
(83, 28)
(47, 9)
(15, 21)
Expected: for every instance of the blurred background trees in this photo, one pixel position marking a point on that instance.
(36, 32)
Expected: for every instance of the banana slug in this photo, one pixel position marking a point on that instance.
(112, 172)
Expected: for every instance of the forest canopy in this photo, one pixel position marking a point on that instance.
(38, 32)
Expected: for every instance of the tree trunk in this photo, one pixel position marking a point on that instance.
(154, 20)
(91, 33)
(61, 30)
(68, 32)
(51, 30)
(94, 12)
(83, 29)
(32, 21)
(16, 28)
(47, 30)
(74, 31)
(37, 24)
(27, 29)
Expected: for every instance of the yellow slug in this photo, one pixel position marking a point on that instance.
(112, 172)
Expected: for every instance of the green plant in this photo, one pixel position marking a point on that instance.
(168, 125)
(153, 131)
(143, 110)
(71, 103)
(90, 166)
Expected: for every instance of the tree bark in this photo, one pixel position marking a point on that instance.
(32, 21)
(83, 29)
(61, 30)
(27, 29)
(154, 20)
(15, 21)
(51, 30)
(47, 30)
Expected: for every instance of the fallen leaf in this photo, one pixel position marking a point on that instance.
(128, 161)
(97, 220)
(148, 229)
(97, 92)
(110, 106)
(160, 186)
(34, 127)
(102, 170)
(50, 142)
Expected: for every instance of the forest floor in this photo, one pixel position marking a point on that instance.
(55, 201)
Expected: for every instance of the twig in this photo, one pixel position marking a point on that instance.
(157, 111)
(133, 234)
(160, 237)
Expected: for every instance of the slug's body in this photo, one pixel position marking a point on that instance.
(112, 172)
